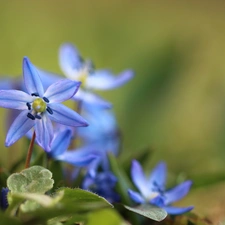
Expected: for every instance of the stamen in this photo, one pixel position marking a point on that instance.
(29, 115)
(28, 105)
(157, 188)
(37, 116)
(45, 99)
(49, 110)
(35, 94)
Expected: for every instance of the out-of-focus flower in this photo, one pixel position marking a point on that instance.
(39, 107)
(75, 68)
(102, 134)
(102, 183)
(152, 189)
(3, 198)
(59, 149)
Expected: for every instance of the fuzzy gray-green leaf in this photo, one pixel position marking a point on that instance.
(35, 179)
(149, 211)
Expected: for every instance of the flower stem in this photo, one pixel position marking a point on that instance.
(30, 150)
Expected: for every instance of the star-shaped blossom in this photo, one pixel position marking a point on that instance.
(39, 107)
(152, 189)
(75, 68)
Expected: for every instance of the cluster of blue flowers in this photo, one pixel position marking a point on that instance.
(83, 138)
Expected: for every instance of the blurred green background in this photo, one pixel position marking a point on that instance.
(176, 102)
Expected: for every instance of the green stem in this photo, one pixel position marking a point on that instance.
(30, 150)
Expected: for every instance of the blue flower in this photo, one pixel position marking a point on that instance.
(102, 183)
(152, 189)
(3, 199)
(39, 107)
(59, 149)
(101, 136)
(75, 68)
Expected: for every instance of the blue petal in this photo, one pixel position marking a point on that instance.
(93, 167)
(136, 197)
(21, 125)
(76, 157)
(31, 78)
(177, 210)
(44, 132)
(69, 60)
(105, 80)
(139, 179)
(158, 176)
(11, 116)
(177, 193)
(101, 121)
(62, 90)
(92, 99)
(48, 78)
(106, 177)
(14, 99)
(64, 115)
(61, 142)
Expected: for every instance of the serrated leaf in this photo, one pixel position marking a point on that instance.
(85, 200)
(73, 204)
(149, 211)
(35, 179)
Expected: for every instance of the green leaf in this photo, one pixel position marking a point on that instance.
(123, 183)
(65, 205)
(149, 211)
(41, 199)
(57, 172)
(29, 205)
(85, 200)
(35, 179)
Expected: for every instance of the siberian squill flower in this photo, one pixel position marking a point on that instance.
(39, 107)
(75, 68)
(152, 189)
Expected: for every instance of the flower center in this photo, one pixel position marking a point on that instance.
(152, 195)
(39, 105)
(82, 78)
(84, 72)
